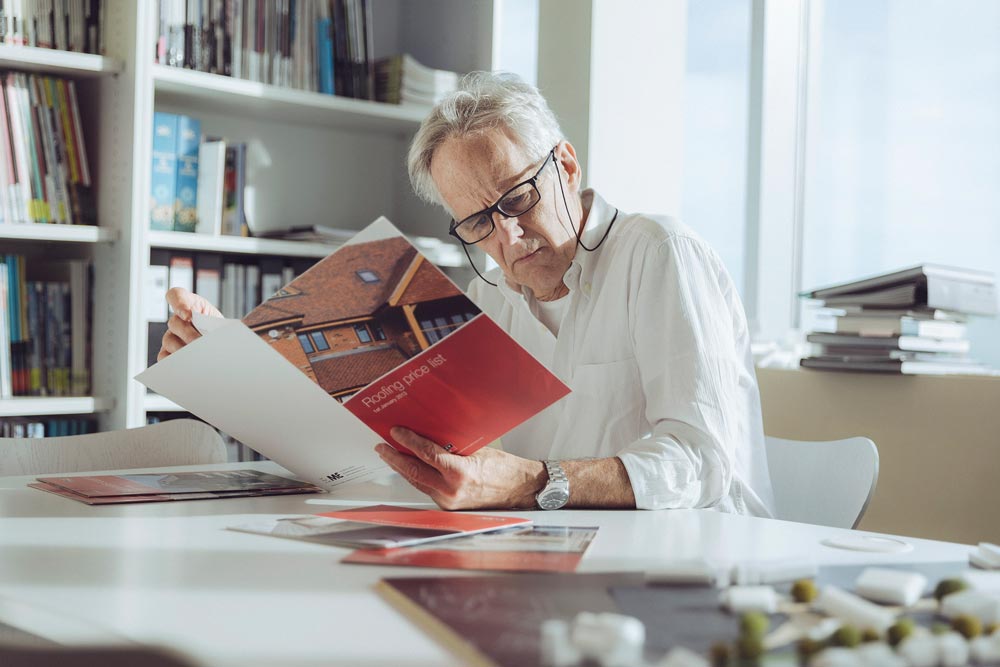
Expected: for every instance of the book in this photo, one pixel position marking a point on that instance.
(157, 487)
(211, 187)
(188, 141)
(382, 526)
(901, 366)
(164, 175)
(516, 549)
(899, 326)
(371, 337)
(913, 343)
(930, 285)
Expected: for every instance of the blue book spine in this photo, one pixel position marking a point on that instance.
(188, 140)
(324, 54)
(164, 178)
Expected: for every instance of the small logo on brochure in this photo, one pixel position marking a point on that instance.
(335, 477)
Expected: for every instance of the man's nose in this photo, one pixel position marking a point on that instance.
(509, 230)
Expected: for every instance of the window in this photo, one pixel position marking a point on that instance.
(368, 276)
(306, 344)
(362, 332)
(376, 329)
(903, 159)
(319, 341)
(715, 127)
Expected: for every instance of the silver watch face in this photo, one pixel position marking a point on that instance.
(553, 499)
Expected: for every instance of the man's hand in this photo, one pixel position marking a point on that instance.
(180, 331)
(487, 479)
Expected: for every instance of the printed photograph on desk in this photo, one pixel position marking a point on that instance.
(389, 340)
(515, 549)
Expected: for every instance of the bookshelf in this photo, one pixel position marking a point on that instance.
(312, 158)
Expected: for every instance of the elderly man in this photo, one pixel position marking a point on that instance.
(634, 312)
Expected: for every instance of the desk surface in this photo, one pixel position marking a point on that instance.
(169, 573)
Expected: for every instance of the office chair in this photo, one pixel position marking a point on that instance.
(176, 442)
(826, 483)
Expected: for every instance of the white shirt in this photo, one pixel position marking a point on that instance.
(655, 347)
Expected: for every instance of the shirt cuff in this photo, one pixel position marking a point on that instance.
(664, 478)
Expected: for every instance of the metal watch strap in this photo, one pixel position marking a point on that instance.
(556, 473)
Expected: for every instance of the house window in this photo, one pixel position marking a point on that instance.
(368, 276)
(306, 344)
(319, 340)
(376, 329)
(363, 334)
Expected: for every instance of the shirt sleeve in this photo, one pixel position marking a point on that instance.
(688, 329)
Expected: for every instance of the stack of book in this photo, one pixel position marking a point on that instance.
(67, 26)
(911, 321)
(402, 80)
(44, 173)
(322, 46)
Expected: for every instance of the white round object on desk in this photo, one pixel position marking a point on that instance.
(871, 543)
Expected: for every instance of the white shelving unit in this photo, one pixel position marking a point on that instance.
(51, 61)
(223, 94)
(312, 159)
(56, 233)
(237, 245)
(36, 406)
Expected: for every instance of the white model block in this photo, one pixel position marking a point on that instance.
(879, 654)
(852, 609)
(698, 572)
(741, 599)
(773, 571)
(823, 629)
(919, 651)
(837, 657)
(984, 606)
(990, 553)
(612, 640)
(556, 648)
(984, 581)
(682, 657)
(891, 586)
(986, 650)
(953, 650)
(977, 559)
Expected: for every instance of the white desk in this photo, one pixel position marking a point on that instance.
(168, 573)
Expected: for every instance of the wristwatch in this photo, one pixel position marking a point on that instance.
(556, 493)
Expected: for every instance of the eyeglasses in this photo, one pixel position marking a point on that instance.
(515, 202)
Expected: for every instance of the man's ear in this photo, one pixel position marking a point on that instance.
(570, 166)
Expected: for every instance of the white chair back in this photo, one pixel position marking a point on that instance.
(826, 483)
(172, 443)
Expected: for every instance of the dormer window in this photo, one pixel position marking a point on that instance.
(368, 276)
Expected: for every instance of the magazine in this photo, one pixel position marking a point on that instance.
(381, 526)
(372, 337)
(158, 487)
(515, 549)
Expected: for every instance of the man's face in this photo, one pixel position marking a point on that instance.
(533, 249)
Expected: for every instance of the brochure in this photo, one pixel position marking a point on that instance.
(373, 336)
(516, 549)
(381, 526)
(158, 487)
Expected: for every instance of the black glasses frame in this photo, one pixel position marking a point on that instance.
(495, 208)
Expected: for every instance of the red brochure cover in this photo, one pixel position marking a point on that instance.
(437, 520)
(518, 549)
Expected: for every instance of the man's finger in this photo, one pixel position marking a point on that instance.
(168, 345)
(184, 302)
(413, 469)
(426, 450)
(184, 330)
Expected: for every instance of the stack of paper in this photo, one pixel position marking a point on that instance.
(402, 80)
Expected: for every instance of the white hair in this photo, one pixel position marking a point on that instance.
(484, 101)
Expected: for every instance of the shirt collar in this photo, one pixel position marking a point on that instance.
(578, 276)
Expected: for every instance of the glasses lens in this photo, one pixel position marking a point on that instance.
(519, 200)
(474, 229)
